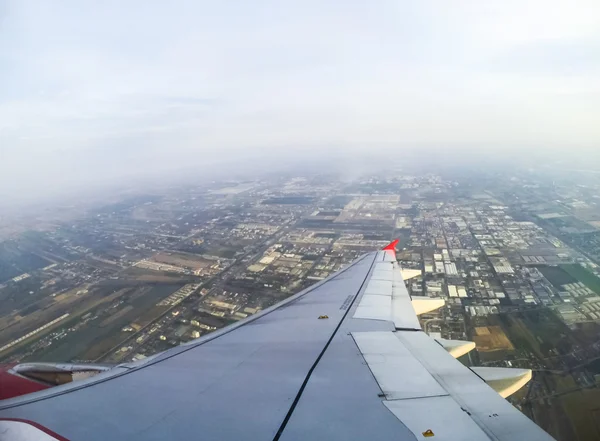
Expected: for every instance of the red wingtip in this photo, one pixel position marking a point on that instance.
(391, 246)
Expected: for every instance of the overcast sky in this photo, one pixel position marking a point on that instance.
(98, 90)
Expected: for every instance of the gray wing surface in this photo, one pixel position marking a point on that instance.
(365, 372)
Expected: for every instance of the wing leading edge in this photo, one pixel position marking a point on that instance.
(366, 371)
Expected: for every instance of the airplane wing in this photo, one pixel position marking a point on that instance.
(344, 359)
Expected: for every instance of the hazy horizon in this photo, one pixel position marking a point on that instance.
(93, 96)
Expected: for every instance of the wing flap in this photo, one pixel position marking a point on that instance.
(492, 413)
(441, 418)
(392, 364)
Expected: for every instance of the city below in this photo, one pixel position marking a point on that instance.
(514, 254)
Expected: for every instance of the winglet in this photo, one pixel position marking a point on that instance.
(391, 246)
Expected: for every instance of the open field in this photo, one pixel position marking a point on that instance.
(557, 276)
(583, 276)
(104, 329)
(183, 260)
(539, 332)
(75, 305)
(549, 413)
(17, 324)
(134, 276)
(491, 338)
(583, 409)
(520, 336)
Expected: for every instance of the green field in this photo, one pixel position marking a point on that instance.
(98, 336)
(557, 276)
(583, 275)
(537, 331)
(570, 273)
(582, 410)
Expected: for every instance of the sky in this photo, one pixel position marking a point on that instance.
(93, 92)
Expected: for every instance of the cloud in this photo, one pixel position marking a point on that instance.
(199, 79)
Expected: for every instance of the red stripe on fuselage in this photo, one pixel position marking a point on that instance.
(37, 426)
(12, 385)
